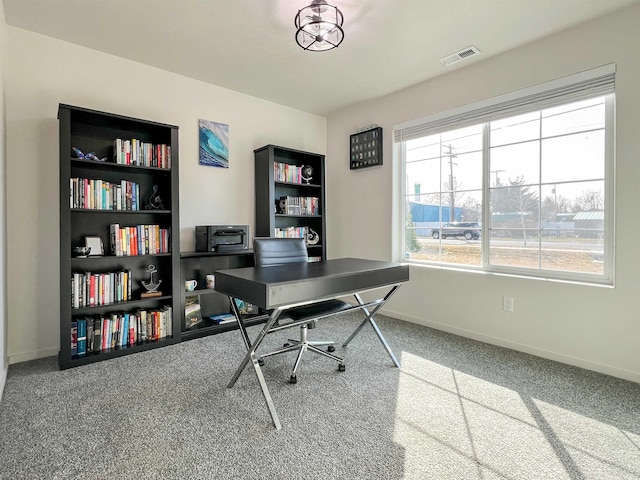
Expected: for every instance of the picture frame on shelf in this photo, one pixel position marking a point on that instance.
(192, 312)
(96, 246)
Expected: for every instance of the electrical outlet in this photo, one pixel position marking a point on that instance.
(507, 304)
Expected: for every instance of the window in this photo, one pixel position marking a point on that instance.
(521, 184)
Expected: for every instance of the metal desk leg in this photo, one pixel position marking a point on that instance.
(243, 330)
(373, 323)
(265, 392)
(251, 356)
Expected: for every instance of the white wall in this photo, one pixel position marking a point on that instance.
(41, 73)
(593, 327)
(4, 363)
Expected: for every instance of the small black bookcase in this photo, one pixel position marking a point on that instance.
(290, 199)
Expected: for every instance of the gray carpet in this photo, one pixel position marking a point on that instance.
(458, 409)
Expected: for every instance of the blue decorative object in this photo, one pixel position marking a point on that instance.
(87, 156)
(214, 144)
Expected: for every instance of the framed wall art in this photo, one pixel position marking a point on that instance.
(365, 149)
(214, 144)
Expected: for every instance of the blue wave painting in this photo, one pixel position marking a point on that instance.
(214, 144)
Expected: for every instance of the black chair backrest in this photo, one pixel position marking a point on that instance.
(276, 251)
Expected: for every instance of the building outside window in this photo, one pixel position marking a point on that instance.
(521, 184)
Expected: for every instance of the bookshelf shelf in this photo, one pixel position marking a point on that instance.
(118, 352)
(102, 211)
(142, 302)
(299, 185)
(273, 164)
(110, 165)
(196, 266)
(115, 184)
(208, 328)
(203, 291)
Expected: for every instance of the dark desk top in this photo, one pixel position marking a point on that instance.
(280, 285)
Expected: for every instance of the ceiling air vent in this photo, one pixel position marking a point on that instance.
(459, 56)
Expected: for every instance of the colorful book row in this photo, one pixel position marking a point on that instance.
(103, 195)
(95, 289)
(300, 205)
(291, 232)
(139, 240)
(121, 330)
(283, 172)
(143, 154)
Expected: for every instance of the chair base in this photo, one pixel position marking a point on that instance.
(316, 343)
(302, 345)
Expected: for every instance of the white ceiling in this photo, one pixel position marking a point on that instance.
(248, 45)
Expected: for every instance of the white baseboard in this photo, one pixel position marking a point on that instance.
(501, 342)
(3, 379)
(26, 356)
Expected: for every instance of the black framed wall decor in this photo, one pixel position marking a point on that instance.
(366, 149)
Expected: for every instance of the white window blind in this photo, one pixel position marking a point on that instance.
(590, 83)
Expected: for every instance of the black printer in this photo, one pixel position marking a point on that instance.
(222, 238)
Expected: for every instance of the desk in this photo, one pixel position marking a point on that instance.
(281, 287)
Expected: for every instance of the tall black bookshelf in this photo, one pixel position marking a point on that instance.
(290, 200)
(150, 172)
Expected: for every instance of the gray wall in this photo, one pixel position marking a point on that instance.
(594, 327)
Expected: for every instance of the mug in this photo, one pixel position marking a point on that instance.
(211, 281)
(190, 285)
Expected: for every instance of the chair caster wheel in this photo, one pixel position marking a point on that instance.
(261, 362)
(331, 348)
(293, 379)
(341, 367)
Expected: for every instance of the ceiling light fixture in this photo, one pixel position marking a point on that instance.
(319, 26)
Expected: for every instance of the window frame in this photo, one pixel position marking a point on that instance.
(606, 277)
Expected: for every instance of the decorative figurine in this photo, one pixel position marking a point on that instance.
(155, 202)
(307, 173)
(87, 156)
(282, 205)
(312, 237)
(151, 286)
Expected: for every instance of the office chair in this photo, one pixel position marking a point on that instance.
(279, 251)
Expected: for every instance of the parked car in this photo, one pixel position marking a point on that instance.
(468, 230)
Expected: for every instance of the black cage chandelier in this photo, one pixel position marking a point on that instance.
(319, 26)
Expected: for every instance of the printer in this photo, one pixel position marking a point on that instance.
(222, 238)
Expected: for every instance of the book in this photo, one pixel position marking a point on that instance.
(168, 316)
(97, 334)
(74, 338)
(223, 318)
(133, 329)
(143, 325)
(116, 247)
(90, 337)
(104, 336)
(123, 338)
(81, 325)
